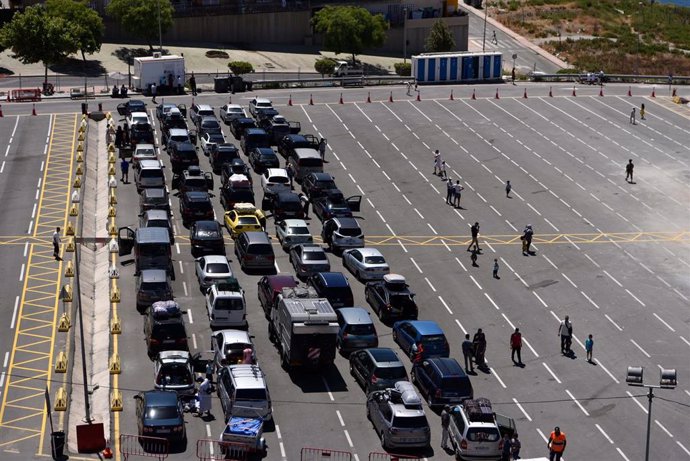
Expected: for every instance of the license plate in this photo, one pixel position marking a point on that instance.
(163, 431)
(169, 341)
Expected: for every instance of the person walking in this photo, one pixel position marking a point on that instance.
(437, 162)
(589, 347)
(556, 444)
(516, 346)
(473, 257)
(495, 271)
(642, 112)
(210, 368)
(479, 342)
(124, 167)
(457, 190)
(443, 174)
(512, 75)
(526, 238)
(475, 237)
(56, 244)
(322, 149)
(445, 423)
(291, 175)
(449, 193)
(118, 137)
(179, 85)
(409, 88)
(305, 205)
(468, 353)
(506, 448)
(632, 117)
(629, 171)
(192, 84)
(515, 446)
(508, 189)
(153, 92)
(494, 40)
(205, 402)
(565, 331)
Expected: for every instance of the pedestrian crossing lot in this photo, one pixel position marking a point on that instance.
(612, 255)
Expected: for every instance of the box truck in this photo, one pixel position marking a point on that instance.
(158, 69)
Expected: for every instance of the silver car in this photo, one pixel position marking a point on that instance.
(212, 269)
(293, 232)
(230, 112)
(309, 259)
(398, 422)
(365, 263)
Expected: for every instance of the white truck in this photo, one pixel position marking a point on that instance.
(158, 69)
(304, 331)
(345, 69)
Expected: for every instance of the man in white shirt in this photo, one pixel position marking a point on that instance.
(56, 244)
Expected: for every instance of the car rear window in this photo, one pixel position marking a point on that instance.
(247, 220)
(290, 206)
(202, 206)
(154, 286)
(172, 330)
(374, 260)
(260, 249)
(434, 340)
(279, 180)
(315, 256)
(410, 422)
(350, 231)
(240, 195)
(161, 413)
(250, 394)
(158, 223)
(217, 268)
(361, 329)
(186, 154)
(208, 233)
(455, 384)
(401, 301)
(310, 162)
(152, 173)
(391, 373)
(229, 304)
(298, 230)
(146, 152)
(195, 182)
(179, 138)
(483, 435)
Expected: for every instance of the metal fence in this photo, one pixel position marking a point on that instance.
(321, 454)
(375, 456)
(214, 450)
(143, 446)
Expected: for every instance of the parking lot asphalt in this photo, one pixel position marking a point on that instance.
(613, 256)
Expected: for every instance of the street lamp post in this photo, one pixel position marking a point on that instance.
(486, 14)
(667, 380)
(404, 35)
(160, 34)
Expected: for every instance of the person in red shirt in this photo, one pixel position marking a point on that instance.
(516, 346)
(556, 444)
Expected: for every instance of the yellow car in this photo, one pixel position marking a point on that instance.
(244, 217)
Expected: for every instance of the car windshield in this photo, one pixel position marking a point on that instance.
(210, 124)
(203, 206)
(298, 230)
(173, 374)
(261, 249)
(179, 138)
(361, 329)
(186, 154)
(267, 158)
(217, 268)
(391, 373)
(315, 256)
(151, 173)
(140, 119)
(141, 126)
(195, 182)
(242, 195)
(410, 422)
(154, 250)
(350, 231)
(310, 162)
(401, 301)
(278, 180)
(250, 394)
(229, 304)
(154, 286)
(208, 233)
(161, 413)
(290, 206)
(247, 220)
(375, 260)
(483, 435)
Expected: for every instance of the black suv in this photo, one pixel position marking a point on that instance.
(235, 166)
(333, 286)
(238, 126)
(164, 330)
(332, 204)
(206, 238)
(391, 298)
(223, 154)
(261, 158)
(296, 141)
(182, 156)
(195, 206)
(442, 381)
(315, 185)
(208, 125)
(229, 196)
(284, 205)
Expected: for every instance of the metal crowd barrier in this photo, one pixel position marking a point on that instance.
(143, 446)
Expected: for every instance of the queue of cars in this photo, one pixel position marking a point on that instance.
(323, 305)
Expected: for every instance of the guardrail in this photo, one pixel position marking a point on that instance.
(609, 78)
(143, 446)
(372, 80)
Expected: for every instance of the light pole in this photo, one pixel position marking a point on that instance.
(486, 13)
(160, 34)
(667, 380)
(404, 35)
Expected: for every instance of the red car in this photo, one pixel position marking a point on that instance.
(270, 286)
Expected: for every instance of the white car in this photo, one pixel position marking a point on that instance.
(366, 263)
(293, 232)
(137, 117)
(210, 140)
(258, 104)
(144, 152)
(228, 347)
(276, 179)
(230, 112)
(211, 269)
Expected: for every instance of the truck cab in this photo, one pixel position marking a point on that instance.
(151, 246)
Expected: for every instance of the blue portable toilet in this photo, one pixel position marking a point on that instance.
(461, 67)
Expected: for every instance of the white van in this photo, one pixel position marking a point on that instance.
(243, 392)
(226, 307)
(304, 161)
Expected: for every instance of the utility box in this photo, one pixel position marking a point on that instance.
(464, 67)
(158, 69)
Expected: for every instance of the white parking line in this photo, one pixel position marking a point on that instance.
(664, 322)
(635, 400)
(620, 452)
(577, 402)
(663, 428)
(529, 418)
(552, 373)
(498, 378)
(14, 313)
(430, 285)
(604, 433)
(607, 371)
(614, 323)
(416, 265)
(640, 348)
(340, 418)
(475, 282)
(184, 287)
(181, 268)
(683, 447)
(328, 389)
(635, 298)
(189, 314)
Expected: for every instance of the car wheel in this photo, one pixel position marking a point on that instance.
(413, 376)
(395, 336)
(384, 442)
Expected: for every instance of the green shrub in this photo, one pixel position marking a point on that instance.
(324, 66)
(404, 69)
(241, 67)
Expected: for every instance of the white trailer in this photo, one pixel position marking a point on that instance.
(157, 69)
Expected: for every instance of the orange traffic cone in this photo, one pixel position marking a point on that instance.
(290, 100)
(653, 93)
(601, 92)
(550, 93)
(629, 91)
(369, 96)
(497, 94)
(674, 93)
(341, 99)
(107, 451)
(524, 95)
(33, 110)
(418, 96)
(311, 100)
(451, 98)
(474, 95)
(574, 93)
(390, 98)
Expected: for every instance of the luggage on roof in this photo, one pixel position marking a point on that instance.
(479, 410)
(165, 309)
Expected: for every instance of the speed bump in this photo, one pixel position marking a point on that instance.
(74, 210)
(69, 228)
(70, 245)
(61, 363)
(114, 364)
(116, 401)
(64, 323)
(77, 182)
(60, 400)
(115, 325)
(69, 270)
(67, 295)
(113, 197)
(115, 293)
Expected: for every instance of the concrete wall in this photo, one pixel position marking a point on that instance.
(418, 30)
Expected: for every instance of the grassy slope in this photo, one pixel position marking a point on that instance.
(631, 36)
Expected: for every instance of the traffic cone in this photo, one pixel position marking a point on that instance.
(419, 98)
(524, 95)
(629, 91)
(574, 93)
(311, 100)
(107, 452)
(390, 98)
(674, 93)
(451, 96)
(341, 99)
(369, 96)
(497, 97)
(550, 93)
(474, 94)
(33, 110)
(290, 100)
(601, 92)
(653, 93)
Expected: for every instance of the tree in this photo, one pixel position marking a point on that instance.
(324, 66)
(440, 39)
(350, 29)
(140, 17)
(404, 69)
(86, 23)
(240, 67)
(36, 36)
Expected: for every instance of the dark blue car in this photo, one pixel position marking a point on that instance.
(420, 339)
(442, 381)
(159, 414)
(333, 286)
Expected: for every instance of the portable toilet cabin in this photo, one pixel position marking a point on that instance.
(461, 67)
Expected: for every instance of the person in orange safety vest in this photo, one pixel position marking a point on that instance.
(556, 444)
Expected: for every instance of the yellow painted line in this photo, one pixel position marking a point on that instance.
(116, 381)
